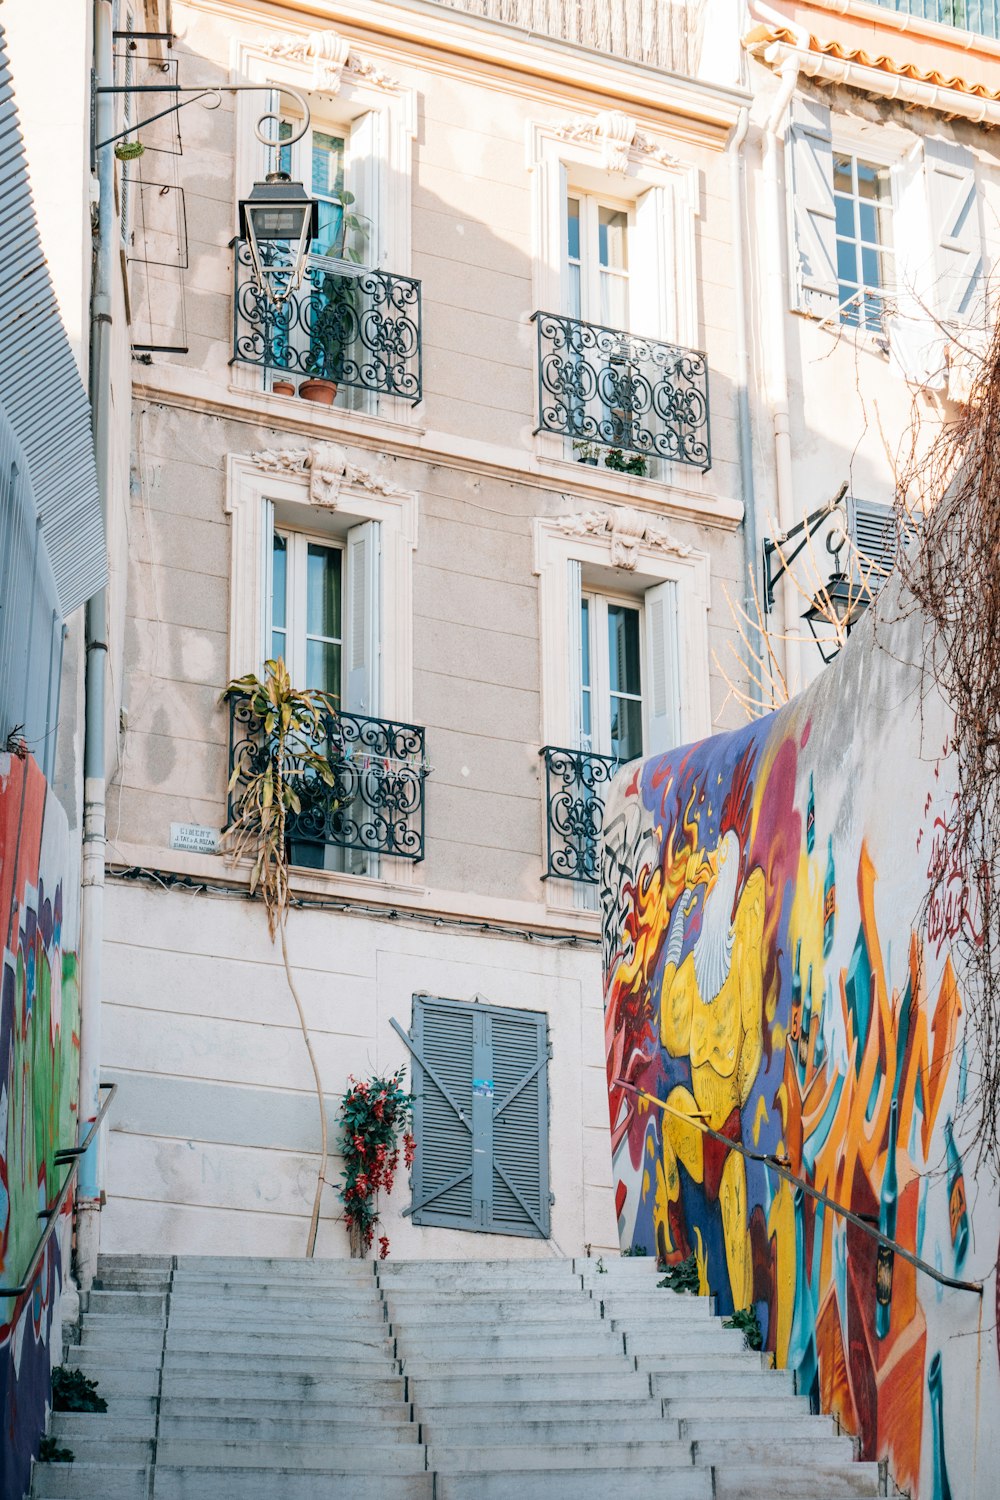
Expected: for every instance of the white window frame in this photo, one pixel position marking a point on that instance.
(564, 540)
(600, 666)
(590, 268)
(337, 102)
(296, 600)
(571, 157)
(886, 294)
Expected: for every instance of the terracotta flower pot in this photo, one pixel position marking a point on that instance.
(323, 392)
(283, 387)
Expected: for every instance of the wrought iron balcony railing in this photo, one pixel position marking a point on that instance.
(356, 327)
(376, 801)
(574, 811)
(601, 385)
(979, 16)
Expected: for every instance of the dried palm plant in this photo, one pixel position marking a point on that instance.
(264, 792)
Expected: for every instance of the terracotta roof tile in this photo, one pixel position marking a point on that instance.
(760, 37)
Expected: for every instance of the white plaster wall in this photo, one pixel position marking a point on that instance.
(214, 1130)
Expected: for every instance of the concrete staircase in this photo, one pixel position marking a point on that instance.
(431, 1380)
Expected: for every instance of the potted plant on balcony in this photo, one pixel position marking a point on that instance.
(586, 452)
(634, 464)
(264, 786)
(336, 298)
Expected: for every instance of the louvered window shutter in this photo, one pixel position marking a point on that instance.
(958, 238)
(574, 627)
(265, 615)
(872, 529)
(443, 1043)
(480, 1117)
(813, 253)
(662, 685)
(519, 1198)
(362, 619)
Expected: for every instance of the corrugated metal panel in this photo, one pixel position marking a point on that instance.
(40, 387)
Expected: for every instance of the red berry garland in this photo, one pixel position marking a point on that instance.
(373, 1115)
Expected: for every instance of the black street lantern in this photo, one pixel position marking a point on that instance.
(840, 602)
(278, 210)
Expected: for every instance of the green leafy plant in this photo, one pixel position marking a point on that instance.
(601, 1268)
(49, 1452)
(587, 452)
(682, 1276)
(265, 793)
(747, 1321)
(634, 464)
(374, 1116)
(72, 1391)
(635, 1250)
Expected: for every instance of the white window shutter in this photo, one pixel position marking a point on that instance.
(266, 581)
(574, 590)
(362, 178)
(957, 232)
(812, 221)
(362, 610)
(662, 686)
(653, 284)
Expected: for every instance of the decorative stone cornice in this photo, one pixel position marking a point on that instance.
(618, 136)
(328, 469)
(630, 532)
(331, 57)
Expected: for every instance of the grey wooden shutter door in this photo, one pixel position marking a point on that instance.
(481, 1117)
(442, 1044)
(958, 239)
(812, 219)
(519, 1201)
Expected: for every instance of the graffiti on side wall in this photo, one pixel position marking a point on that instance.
(39, 1072)
(765, 974)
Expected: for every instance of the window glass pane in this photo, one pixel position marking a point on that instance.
(873, 182)
(575, 305)
(284, 152)
(868, 222)
(279, 578)
(623, 648)
(871, 267)
(330, 240)
(327, 164)
(614, 300)
(573, 228)
(613, 238)
(845, 215)
(842, 177)
(626, 728)
(323, 668)
(585, 724)
(847, 262)
(323, 591)
(279, 647)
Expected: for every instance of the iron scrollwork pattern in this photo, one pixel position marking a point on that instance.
(601, 385)
(356, 327)
(574, 811)
(376, 801)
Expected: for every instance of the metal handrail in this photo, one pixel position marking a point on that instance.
(774, 1165)
(51, 1214)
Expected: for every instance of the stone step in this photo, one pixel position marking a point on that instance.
(373, 1408)
(216, 1483)
(683, 1336)
(502, 1344)
(741, 1407)
(725, 1385)
(453, 1430)
(294, 1425)
(746, 1424)
(591, 1484)
(347, 1457)
(286, 1268)
(106, 1425)
(515, 1366)
(732, 1482)
(263, 1385)
(80, 1481)
(509, 1458)
(766, 1452)
(434, 1390)
(515, 1413)
(749, 1361)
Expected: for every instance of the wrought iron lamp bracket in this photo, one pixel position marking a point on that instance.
(803, 528)
(214, 93)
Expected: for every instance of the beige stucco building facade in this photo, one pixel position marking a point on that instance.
(446, 544)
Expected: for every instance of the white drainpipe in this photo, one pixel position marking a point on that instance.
(776, 312)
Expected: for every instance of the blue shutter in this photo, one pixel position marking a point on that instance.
(442, 1044)
(480, 1117)
(813, 258)
(519, 1202)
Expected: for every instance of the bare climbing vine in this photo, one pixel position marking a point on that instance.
(953, 572)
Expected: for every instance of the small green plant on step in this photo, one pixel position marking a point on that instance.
(72, 1391)
(634, 1250)
(634, 464)
(601, 1268)
(747, 1321)
(682, 1276)
(50, 1452)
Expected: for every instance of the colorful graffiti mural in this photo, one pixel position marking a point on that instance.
(39, 1070)
(774, 969)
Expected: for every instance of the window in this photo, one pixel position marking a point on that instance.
(318, 160)
(306, 611)
(862, 193)
(480, 1117)
(611, 710)
(597, 261)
